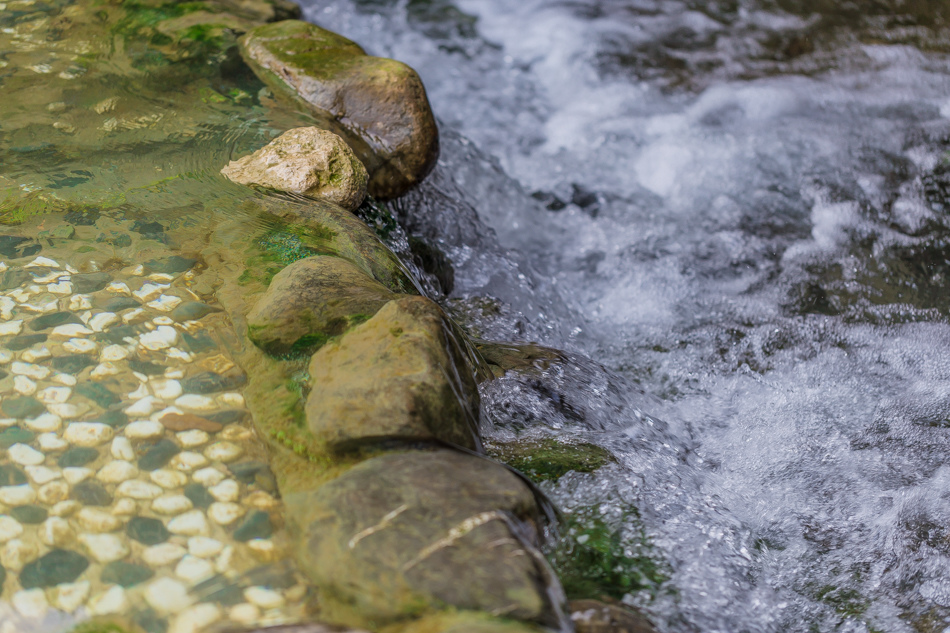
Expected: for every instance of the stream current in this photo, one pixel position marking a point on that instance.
(733, 214)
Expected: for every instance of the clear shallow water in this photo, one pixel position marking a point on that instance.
(741, 214)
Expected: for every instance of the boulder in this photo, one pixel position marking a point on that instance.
(307, 161)
(400, 375)
(404, 533)
(312, 300)
(378, 105)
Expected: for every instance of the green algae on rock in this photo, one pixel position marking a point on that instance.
(378, 105)
(307, 161)
(549, 459)
(311, 301)
(402, 375)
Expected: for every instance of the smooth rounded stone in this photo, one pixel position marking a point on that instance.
(229, 416)
(192, 311)
(264, 550)
(307, 161)
(195, 619)
(227, 490)
(70, 330)
(37, 372)
(378, 105)
(17, 553)
(223, 452)
(57, 567)
(98, 521)
(264, 598)
(260, 500)
(166, 389)
(231, 399)
(165, 303)
(29, 515)
(65, 508)
(52, 395)
(125, 574)
(122, 449)
(189, 422)
(17, 495)
(244, 613)
(158, 455)
(80, 345)
(137, 489)
(115, 419)
(111, 601)
(172, 504)
(87, 283)
(104, 548)
(204, 547)
(88, 434)
(125, 507)
(147, 531)
(224, 513)
(198, 495)
(91, 493)
(193, 569)
(187, 461)
(22, 407)
(72, 364)
(15, 435)
(53, 492)
(162, 337)
(191, 523)
(46, 422)
(104, 370)
(54, 319)
(10, 528)
(40, 475)
(162, 555)
(24, 341)
(68, 411)
(79, 456)
(56, 532)
(116, 472)
(257, 525)
(101, 321)
(171, 265)
(34, 355)
(143, 430)
(70, 596)
(193, 439)
(114, 353)
(167, 596)
(254, 472)
(24, 386)
(30, 603)
(10, 475)
(11, 328)
(98, 393)
(224, 561)
(195, 402)
(149, 291)
(208, 476)
(312, 300)
(25, 455)
(169, 479)
(51, 443)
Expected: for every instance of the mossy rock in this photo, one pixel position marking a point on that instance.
(378, 105)
(594, 616)
(464, 622)
(549, 459)
(520, 357)
(106, 625)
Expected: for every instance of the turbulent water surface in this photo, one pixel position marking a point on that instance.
(738, 211)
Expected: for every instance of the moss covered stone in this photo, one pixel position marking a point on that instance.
(549, 459)
(401, 375)
(378, 105)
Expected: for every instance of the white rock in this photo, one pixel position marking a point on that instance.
(264, 598)
(70, 596)
(132, 315)
(163, 320)
(6, 307)
(31, 603)
(50, 442)
(17, 495)
(67, 410)
(144, 429)
(80, 302)
(55, 532)
(161, 277)
(16, 553)
(10, 528)
(177, 354)
(141, 391)
(165, 303)
(25, 455)
(209, 476)
(64, 379)
(46, 422)
(33, 355)
(223, 562)
(104, 548)
(5, 355)
(54, 395)
(168, 479)
(37, 372)
(98, 521)
(187, 461)
(102, 321)
(24, 386)
(61, 288)
(119, 288)
(204, 547)
(192, 438)
(103, 370)
(42, 475)
(88, 433)
(53, 492)
(163, 337)
(195, 402)
(172, 504)
(115, 472)
(43, 262)
(195, 619)
(137, 489)
(244, 613)
(122, 449)
(167, 596)
(79, 345)
(192, 523)
(223, 452)
(70, 330)
(231, 399)
(166, 389)
(113, 353)
(65, 508)
(142, 407)
(149, 291)
(225, 513)
(171, 372)
(77, 474)
(11, 327)
(111, 601)
(161, 555)
(193, 570)
(138, 271)
(227, 490)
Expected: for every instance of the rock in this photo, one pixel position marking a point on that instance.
(593, 616)
(210, 476)
(188, 421)
(192, 311)
(256, 525)
(195, 619)
(193, 570)
(88, 433)
(22, 407)
(70, 596)
(117, 471)
(396, 533)
(187, 461)
(98, 393)
(548, 459)
(223, 452)
(109, 602)
(264, 598)
(10, 528)
(15, 435)
(122, 449)
(125, 574)
(191, 523)
(225, 513)
(158, 454)
(28, 514)
(136, 489)
(147, 531)
(79, 456)
(195, 402)
(143, 429)
(204, 547)
(17, 495)
(57, 567)
(91, 493)
(168, 479)
(380, 104)
(30, 604)
(90, 282)
(211, 382)
(53, 492)
(162, 555)
(307, 161)
(10, 475)
(172, 265)
(73, 364)
(311, 301)
(104, 548)
(401, 375)
(193, 438)
(227, 490)
(56, 532)
(172, 504)
(40, 475)
(167, 596)
(98, 521)
(53, 319)
(25, 455)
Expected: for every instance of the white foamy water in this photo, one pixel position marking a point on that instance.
(753, 242)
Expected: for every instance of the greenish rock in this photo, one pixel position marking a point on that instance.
(548, 459)
(199, 342)
(3, 578)
(311, 301)
(63, 232)
(256, 473)
(198, 495)
(273, 576)
(98, 393)
(150, 622)
(392, 536)
(147, 531)
(90, 282)
(10, 475)
(15, 435)
(228, 416)
(432, 260)
(91, 493)
(23, 341)
(14, 278)
(77, 456)
(220, 590)
(115, 418)
(29, 514)
(192, 311)
(255, 525)
(117, 335)
(170, 265)
(57, 567)
(145, 367)
(125, 574)
(211, 382)
(379, 106)
(158, 455)
(402, 375)
(73, 364)
(22, 407)
(594, 616)
(118, 304)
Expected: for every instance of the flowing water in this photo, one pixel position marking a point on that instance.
(737, 210)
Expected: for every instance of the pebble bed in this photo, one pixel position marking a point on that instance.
(131, 481)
